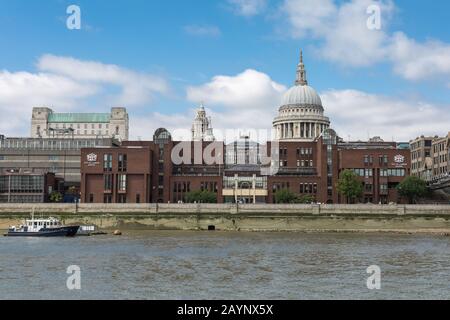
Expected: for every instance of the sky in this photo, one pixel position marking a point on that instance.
(162, 59)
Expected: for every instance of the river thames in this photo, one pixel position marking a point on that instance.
(226, 265)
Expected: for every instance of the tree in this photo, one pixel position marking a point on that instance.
(349, 185)
(306, 199)
(412, 188)
(201, 197)
(55, 196)
(285, 196)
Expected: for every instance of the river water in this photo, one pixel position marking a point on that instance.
(226, 265)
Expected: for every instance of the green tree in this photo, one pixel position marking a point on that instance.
(412, 188)
(55, 196)
(201, 197)
(285, 196)
(306, 199)
(349, 185)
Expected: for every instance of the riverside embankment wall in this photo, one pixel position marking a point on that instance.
(263, 217)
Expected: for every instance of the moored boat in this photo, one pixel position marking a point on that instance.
(50, 227)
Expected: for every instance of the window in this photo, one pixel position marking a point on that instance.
(122, 181)
(122, 198)
(108, 182)
(107, 198)
(138, 198)
(107, 162)
(122, 162)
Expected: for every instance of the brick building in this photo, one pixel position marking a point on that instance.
(381, 167)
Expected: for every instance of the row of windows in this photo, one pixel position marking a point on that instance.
(308, 188)
(440, 147)
(392, 172)
(300, 152)
(22, 184)
(108, 182)
(67, 144)
(382, 160)
(441, 158)
(108, 160)
(383, 172)
(420, 154)
(21, 199)
(82, 125)
(108, 198)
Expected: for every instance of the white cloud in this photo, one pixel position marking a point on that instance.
(202, 31)
(358, 114)
(416, 61)
(248, 100)
(64, 83)
(248, 90)
(20, 91)
(248, 7)
(137, 88)
(341, 29)
(344, 38)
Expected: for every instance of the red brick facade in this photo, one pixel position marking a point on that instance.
(305, 168)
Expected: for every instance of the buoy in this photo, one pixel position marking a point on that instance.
(117, 233)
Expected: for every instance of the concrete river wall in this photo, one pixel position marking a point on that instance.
(232, 217)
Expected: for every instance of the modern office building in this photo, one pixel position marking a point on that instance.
(26, 185)
(45, 123)
(60, 156)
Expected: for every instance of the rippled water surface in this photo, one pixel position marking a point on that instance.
(216, 265)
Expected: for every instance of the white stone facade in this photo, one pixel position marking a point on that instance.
(301, 114)
(201, 127)
(45, 123)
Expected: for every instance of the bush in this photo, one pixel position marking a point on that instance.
(201, 197)
(55, 196)
(285, 196)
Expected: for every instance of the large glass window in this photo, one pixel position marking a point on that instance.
(122, 183)
(108, 182)
(122, 162)
(107, 162)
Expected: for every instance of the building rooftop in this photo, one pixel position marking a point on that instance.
(79, 118)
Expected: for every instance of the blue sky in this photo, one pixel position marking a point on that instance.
(183, 45)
